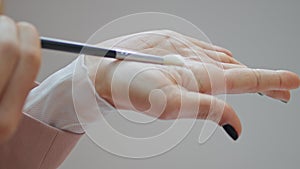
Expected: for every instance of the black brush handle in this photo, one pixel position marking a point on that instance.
(75, 47)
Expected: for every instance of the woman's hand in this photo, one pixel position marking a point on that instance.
(19, 64)
(170, 92)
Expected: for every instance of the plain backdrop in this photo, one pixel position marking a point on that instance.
(260, 33)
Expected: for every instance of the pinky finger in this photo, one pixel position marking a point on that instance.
(282, 95)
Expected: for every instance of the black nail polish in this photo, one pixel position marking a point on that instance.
(260, 93)
(283, 101)
(230, 131)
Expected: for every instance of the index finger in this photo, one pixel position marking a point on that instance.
(21, 81)
(254, 80)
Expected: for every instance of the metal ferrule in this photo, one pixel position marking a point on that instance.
(140, 57)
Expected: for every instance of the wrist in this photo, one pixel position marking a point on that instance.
(99, 70)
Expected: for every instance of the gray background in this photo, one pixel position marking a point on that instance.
(260, 33)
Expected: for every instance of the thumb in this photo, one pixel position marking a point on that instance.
(209, 108)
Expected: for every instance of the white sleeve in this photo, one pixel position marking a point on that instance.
(52, 101)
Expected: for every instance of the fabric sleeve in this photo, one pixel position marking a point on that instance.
(36, 145)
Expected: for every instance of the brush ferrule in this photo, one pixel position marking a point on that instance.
(140, 57)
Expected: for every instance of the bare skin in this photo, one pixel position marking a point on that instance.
(205, 64)
(20, 57)
(20, 52)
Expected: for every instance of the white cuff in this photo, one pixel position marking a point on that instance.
(52, 101)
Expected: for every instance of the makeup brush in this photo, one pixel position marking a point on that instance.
(76, 47)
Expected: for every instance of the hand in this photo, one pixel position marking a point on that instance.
(205, 69)
(19, 64)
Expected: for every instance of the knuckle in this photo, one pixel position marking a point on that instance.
(7, 129)
(281, 82)
(229, 83)
(163, 115)
(27, 26)
(226, 59)
(173, 106)
(204, 78)
(257, 80)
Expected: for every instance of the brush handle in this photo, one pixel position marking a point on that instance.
(75, 47)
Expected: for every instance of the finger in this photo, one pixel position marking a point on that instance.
(9, 51)
(211, 78)
(209, 46)
(221, 57)
(186, 42)
(275, 94)
(232, 66)
(24, 75)
(255, 80)
(186, 104)
(282, 95)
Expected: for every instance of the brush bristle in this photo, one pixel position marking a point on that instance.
(175, 60)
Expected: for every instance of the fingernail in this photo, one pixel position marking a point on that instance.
(230, 131)
(260, 94)
(283, 101)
